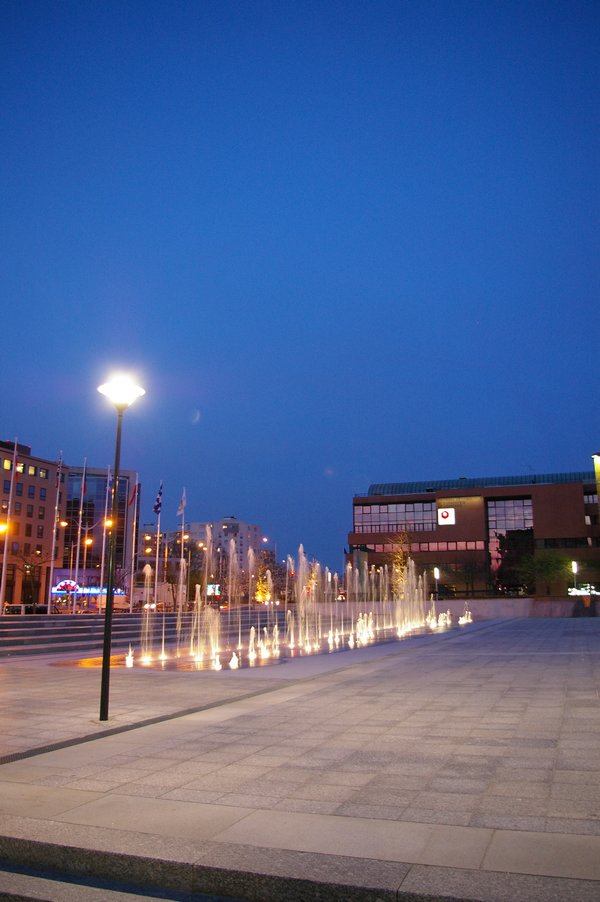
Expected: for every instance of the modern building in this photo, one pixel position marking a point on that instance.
(501, 533)
(85, 542)
(32, 501)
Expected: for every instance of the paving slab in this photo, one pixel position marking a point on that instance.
(456, 765)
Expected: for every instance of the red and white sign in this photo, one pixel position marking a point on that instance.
(446, 516)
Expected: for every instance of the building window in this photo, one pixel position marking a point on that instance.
(6, 464)
(18, 507)
(28, 530)
(31, 491)
(26, 548)
(19, 489)
(29, 510)
(41, 513)
(31, 470)
(510, 535)
(419, 516)
(6, 486)
(39, 532)
(43, 493)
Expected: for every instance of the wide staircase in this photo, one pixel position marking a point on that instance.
(45, 634)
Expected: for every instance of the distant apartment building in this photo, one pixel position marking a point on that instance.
(225, 537)
(481, 533)
(32, 500)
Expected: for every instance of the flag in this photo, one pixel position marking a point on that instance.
(158, 502)
(182, 504)
(58, 470)
(133, 494)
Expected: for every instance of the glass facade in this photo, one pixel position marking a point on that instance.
(83, 549)
(417, 516)
(510, 531)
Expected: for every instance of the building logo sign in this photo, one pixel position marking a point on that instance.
(446, 516)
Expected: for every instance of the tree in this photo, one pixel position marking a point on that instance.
(543, 567)
(398, 561)
(470, 570)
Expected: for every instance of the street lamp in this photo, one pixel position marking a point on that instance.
(436, 576)
(575, 569)
(122, 392)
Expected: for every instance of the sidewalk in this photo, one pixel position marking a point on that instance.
(464, 765)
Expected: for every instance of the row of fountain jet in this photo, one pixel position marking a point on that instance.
(314, 617)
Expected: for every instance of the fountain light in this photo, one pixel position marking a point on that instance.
(129, 658)
(235, 662)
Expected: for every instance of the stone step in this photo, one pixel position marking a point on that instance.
(26, 886)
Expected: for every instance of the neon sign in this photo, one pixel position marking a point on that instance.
(70, 587)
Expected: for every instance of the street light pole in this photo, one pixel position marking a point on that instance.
(122, 392)
(436, 576)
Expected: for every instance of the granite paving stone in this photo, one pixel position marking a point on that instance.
(470, 753)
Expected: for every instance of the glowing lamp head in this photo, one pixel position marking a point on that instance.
(436, 572)
(574, 566)
(122, 391)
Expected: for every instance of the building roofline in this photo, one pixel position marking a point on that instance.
(436, 485)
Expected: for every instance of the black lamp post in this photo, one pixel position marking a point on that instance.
(122, 392)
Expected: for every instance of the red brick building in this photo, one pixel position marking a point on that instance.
(503, 533)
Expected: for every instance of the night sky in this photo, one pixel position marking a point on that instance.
(337, 242)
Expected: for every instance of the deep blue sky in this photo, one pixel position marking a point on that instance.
(338, 242)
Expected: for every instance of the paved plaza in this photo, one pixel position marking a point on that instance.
(463, 765)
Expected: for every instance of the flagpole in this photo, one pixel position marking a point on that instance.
(54, 533)
(157, 561)
(182, 583)
(6, 534)
(157, 509)
(133, 529)
(79, 524)
(104, 527)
